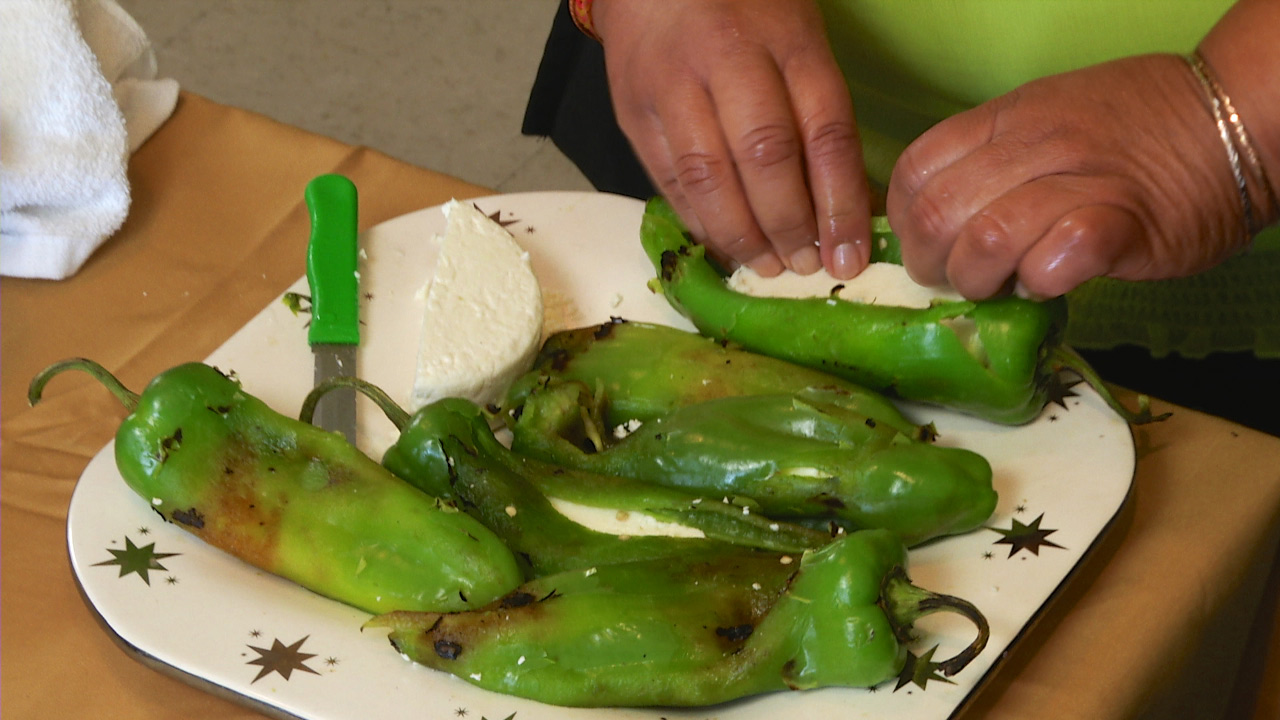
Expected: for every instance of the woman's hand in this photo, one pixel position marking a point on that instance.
(742, 118)
(1115, 170)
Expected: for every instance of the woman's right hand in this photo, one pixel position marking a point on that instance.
(742, 118)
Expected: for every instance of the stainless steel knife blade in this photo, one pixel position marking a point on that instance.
(333, 275)
(337, 409)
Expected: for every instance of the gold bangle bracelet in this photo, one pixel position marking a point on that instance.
(1239, 145)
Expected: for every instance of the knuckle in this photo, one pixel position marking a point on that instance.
(669, 185)
(700, 173)
(990, 234)
(831, 140)
(766, 146)
(930, 217)
(721, 30)
(908, 173)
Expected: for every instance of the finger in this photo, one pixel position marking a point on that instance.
(703, 170)
(651, 148)
(760, 128)
(927, 227)
(1087, 242)
(939, 146)
(991, 244)
(952, 218)
(833, 161)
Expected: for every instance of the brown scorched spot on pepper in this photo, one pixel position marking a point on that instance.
(293, 499)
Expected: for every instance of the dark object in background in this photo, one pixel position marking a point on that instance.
(570, 104)
(1237, 386)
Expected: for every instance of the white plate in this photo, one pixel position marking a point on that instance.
(221, 624)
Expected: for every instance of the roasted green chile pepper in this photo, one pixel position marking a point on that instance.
(295, 500)
(801, 455)
(995, 359)
(447, 449)
(645, 371)
(691, 631)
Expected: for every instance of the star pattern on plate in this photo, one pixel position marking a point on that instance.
(281, 659)
(919, 670)
(135, 560)
(1059, 390)
(463, 712)
(496, 216)
(1030, 536)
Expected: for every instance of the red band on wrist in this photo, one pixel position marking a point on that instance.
(580, 11)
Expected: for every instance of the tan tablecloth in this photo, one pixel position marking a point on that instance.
(1168, 606)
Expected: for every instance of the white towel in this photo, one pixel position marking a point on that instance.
(78, 94)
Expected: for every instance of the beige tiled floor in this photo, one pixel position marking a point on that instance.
(438, 83)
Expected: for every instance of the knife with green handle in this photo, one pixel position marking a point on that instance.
(335, 296)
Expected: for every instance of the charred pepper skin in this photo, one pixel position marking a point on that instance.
(448, 449)
(645, 371)
(800, 455)
(295, 500)
(692, 631)
(991, 359)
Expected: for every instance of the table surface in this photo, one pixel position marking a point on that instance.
(1177, 609)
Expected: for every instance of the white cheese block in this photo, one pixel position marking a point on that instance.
(879, 284)
(482, 321)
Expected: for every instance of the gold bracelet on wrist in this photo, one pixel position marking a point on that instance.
(1246, 166)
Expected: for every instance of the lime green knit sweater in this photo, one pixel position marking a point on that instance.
(911, 63)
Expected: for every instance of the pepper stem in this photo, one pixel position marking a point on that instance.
(1065, 357)
(396, 414)
(127, 397)
(905, 603)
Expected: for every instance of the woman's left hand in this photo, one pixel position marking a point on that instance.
(1115, 170)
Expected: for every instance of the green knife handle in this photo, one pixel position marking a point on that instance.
(331, 261)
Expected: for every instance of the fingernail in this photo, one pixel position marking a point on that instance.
(845, 261)
(1021, 291)
(766, 265)
(806, 260)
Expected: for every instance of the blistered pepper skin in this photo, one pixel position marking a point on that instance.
(447, 449)
(801, 455)
(687, 632)
(990, 359)
(645, 371)
(301, 502)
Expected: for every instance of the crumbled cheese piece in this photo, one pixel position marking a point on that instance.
(626, 428)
